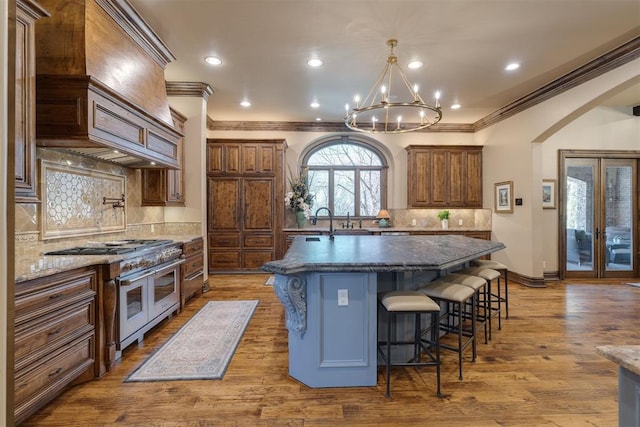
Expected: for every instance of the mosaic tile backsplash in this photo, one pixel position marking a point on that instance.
(140, 221)
(73, 201)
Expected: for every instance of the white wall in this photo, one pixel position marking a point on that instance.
(515, 150)
(602, 127)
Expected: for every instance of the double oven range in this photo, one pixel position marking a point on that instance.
(148, 284)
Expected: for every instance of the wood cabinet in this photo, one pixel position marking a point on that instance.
(245, 181)
(55, 336)
(192, 270)
(27, 12)
(165, 187)
(444, 176)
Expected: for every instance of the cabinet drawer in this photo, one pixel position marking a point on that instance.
(253, 260)
(191, 286)
(192, 265)
(35, 339)
(224, 260)
(193, 247)
(52, 297)
(224, 240)
(258, 241)
(36, 387)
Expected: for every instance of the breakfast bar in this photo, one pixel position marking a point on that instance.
(329, 290)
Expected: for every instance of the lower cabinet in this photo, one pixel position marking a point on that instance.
(55, 337)
(192, 271)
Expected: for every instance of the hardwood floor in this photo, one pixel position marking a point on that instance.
(541, 369)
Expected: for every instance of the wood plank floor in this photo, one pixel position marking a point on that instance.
(541, 369)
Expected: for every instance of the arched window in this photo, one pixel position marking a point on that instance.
(348, 176)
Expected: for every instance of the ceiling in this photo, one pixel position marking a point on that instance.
(464, 45)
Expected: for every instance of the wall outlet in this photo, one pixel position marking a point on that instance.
(544, 264)
(153, 228)
(460, 222)
(414, 222)
(343, 297)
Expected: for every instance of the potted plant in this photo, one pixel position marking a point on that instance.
(444, 218)
(298, 198)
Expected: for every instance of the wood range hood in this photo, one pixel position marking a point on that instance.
(100, 86)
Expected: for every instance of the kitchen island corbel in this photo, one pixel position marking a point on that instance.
(329, 290)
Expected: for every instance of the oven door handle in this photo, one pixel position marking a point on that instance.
(169, 266)
(128, 282)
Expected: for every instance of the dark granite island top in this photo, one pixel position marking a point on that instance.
(379, 253)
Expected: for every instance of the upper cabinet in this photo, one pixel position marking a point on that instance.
(165, 187)
(241, 158)
(444, 176)
(27, 12)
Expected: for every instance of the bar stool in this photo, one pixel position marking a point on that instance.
(479, 285)
(489, 275)
(455, 295)
(495, 265)
(416, 303)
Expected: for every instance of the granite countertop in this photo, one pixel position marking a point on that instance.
(339, 230)
(627, 356)
(380, 253)
(39, 265)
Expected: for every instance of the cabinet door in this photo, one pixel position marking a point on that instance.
(439, 178)
(456, 177)
(473, 181)
(224, 204)
(419, 184)
(25, 143)
(258, 204)
(215, 160)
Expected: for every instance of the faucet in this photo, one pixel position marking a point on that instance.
(315, 220)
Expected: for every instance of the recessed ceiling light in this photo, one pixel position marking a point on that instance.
(245, 104)
(512, 66)
(314, 104)
(455, 106)
(318, 119)
(415, 64)
(213, 60)
(314, 62)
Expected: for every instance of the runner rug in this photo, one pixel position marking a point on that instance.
(203, 347)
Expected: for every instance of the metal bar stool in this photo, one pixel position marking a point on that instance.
(479, 285)
(495, 265)
(489, 275)
(417, 303)
(455, 295)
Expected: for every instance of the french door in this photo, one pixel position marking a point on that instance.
(599, 214)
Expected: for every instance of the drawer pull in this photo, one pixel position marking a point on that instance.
(224, 241)
(56, 331)
(55, 296)
(55, 373)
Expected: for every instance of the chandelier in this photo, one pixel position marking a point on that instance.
(384, 111)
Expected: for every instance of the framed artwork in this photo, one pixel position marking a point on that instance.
(548, 193)
(503, 197)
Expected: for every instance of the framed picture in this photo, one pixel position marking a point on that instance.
(504, 197)
(548, 193)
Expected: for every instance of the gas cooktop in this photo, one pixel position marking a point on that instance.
(117, 247)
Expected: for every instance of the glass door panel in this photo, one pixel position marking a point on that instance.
(580, 175)
(619, 227)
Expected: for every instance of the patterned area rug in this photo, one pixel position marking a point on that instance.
(203, 347)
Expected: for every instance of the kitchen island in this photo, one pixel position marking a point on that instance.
(329, 289)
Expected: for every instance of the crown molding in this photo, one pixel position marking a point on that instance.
(198, 89)
(318, 126)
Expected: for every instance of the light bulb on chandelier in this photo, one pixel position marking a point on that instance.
(381, 102)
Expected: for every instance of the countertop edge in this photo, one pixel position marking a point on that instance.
(627, 356)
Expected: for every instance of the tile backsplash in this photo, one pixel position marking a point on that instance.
(139, 221)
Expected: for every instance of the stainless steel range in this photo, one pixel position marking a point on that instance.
(148, 283)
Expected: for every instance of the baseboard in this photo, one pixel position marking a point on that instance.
(532, 282)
